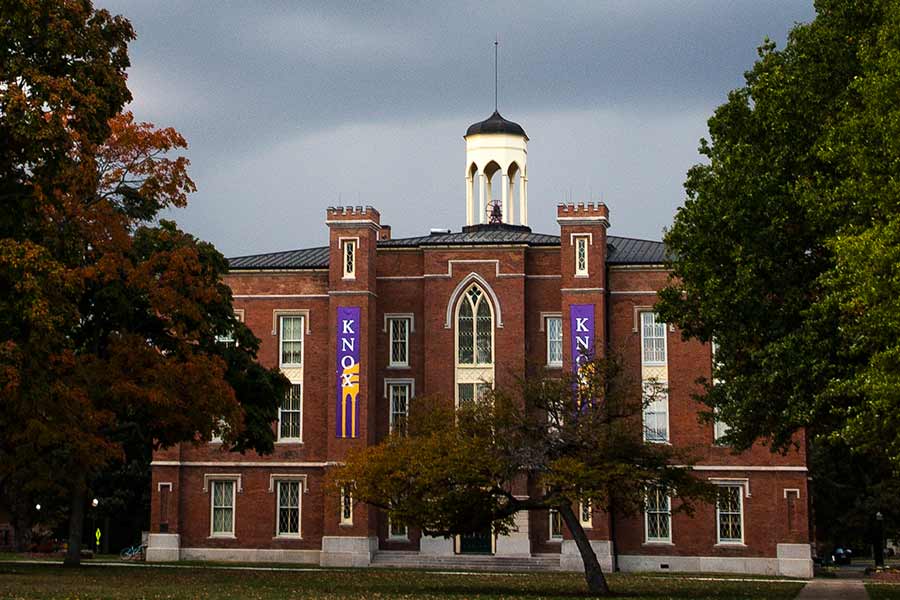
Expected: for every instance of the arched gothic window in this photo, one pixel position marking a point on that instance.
(475, 328)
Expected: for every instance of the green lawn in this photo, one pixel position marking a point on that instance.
(51, 581)
(883, 591)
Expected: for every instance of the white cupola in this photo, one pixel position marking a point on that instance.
(496, 165)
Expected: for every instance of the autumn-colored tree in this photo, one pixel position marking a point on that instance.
(578, 438)
(108, 321)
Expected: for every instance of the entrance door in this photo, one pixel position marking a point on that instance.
(479, 542)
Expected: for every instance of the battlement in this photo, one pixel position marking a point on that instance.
(582, 210)
(352, 213)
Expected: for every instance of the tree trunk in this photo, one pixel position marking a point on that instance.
(76, 521)
(593, 574)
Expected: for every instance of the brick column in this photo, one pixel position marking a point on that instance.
(588, 290)
(352, 331)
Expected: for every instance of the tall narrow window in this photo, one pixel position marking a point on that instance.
(656, 412)
(730, 515)
(581, 256)
(349, 259)
(222, 508)
(556, 528)
(720, 428)
(346, 506)
(475, 326)
(399, 340)
(399, 397)
(290, 414)
(289, 508)
(658, 516)
(584, 513)
(554, 341)
(291, 341)
(653, 339)
(467, 392)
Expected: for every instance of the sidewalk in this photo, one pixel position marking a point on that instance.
(837, 589)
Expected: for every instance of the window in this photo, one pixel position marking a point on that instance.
(720, 429)
(226, 341)
(656, 412)
(467, 392)
(581, 256)
(730, 515)
(475, 328)
(653, 339)
(399, 394)
(399, 340)
(556, 528)
(658, 516)
(291, 341)
(554, 342)
(584, 514)
(289, 508)
(222, 508)
(397, 531)
(290, 414)
(346, 506)
(349, 259)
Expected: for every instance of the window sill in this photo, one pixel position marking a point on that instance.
(222, 536)
(345, 525)
(398, 366)
(582, 276)
(730, 545)
(555, 541)
(554, 366)
(655, 543)
(664, 442)
(291, 366)
(289, 441)
(288, 537)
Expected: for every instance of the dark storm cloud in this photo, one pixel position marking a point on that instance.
(310, 103)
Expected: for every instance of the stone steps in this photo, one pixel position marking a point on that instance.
(471, 562)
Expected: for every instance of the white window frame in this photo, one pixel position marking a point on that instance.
(644, 339)
(554, 515)
(740, 496)
(585, 508)
(667, 513)
(390, 327)
(213, 483)
(397, 537)
(281, 411)
(661, 400)
(300, 485)
(346, 520)
(579, 240)
(349, 249)
(281, 321)
(554, 364)
(389, 385)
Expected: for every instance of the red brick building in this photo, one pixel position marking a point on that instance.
(364, 325)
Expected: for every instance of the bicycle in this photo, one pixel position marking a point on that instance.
(138, 552)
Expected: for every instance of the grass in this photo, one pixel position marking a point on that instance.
(29, 581)
(883, 591)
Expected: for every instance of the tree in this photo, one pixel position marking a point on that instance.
(785, 251)
(577, 438)
(109, 320)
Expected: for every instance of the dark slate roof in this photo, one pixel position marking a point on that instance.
(621, 251)
(630, 251)
(496, 124)
(307, 258)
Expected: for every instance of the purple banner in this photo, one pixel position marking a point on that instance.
(348, 399)
(581, 332)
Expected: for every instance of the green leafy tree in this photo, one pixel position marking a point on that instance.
(108, 320)
(579, 439)
(786, 247)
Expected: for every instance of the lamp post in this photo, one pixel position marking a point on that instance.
(879, 545)
(94, 504)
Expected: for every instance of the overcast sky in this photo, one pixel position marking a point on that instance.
(292, 107)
